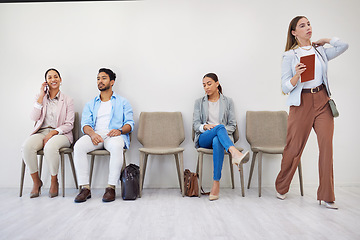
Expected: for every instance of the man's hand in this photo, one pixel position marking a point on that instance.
(114, 133)
(96, 138)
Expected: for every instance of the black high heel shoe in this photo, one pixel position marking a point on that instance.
(35, 195)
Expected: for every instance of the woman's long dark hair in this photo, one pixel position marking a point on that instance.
(214, 77)
(52, 69)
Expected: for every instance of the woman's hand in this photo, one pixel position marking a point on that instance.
(42, 92)
(321, 42)
(300, 68)
(209, 126)
(42, 89)
(50, 135)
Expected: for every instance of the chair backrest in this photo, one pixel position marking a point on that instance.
(266, 128)
(235, 134)
(161, 129)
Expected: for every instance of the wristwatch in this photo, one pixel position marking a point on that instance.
(121, 130)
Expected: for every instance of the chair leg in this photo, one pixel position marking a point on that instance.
(252, 168)
(62, 173)
(178, 169)
(182, 174)
(145, 165)
(231, 171)
(300, 179)
(73, 169)
(200, 163)
(241, 170)
(91, 168)
(23, 166)
(197, 173)
(143, 162)
(259, 172)
(141, 173)
(197, 166)
(124, 161)
(40, 165)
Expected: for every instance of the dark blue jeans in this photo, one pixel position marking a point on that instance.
(217, 139)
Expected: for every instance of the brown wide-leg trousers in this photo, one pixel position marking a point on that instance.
(313, 112)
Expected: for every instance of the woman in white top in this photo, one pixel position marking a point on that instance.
(309, 107)
(214, 122)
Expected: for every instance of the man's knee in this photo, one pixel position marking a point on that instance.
(81, 144)
(115, 144)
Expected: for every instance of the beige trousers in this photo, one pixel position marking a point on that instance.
(34, 143)
(314, 112)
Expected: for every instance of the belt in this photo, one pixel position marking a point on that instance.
(313, 90)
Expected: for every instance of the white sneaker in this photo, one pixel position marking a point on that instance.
(330, 205)
(280, 196)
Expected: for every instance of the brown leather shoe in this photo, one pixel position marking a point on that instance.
(109, 195)
(83, 195)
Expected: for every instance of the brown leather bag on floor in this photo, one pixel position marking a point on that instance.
(191, 183)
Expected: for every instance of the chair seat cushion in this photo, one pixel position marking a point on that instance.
(99, 152)
(210, 151)
(269, 149)
(161, 150)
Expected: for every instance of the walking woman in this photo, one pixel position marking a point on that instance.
(309, 107)
(214, 122)
(53, 113)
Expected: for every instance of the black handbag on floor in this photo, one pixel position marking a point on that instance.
(130, 178)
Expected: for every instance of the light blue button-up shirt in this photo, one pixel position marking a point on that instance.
(121, 114)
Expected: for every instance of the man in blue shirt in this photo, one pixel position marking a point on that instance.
(106, 122)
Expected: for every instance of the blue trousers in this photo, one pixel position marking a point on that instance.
(217, 139)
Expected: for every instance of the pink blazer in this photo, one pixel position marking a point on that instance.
(65, 115)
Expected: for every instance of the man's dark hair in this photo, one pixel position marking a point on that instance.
(111, 74)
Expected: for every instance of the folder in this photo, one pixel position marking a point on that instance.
(309, 73)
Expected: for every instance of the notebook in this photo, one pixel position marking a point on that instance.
(309, 73)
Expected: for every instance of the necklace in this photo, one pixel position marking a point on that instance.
(306, 48)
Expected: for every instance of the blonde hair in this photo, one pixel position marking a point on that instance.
(291, 42)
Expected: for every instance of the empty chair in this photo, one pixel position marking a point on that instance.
(202, 151)
(161, 133)
(62, 152)
(266, 133)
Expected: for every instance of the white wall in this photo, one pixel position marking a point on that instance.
(160, 50)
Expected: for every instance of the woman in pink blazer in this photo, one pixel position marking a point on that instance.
(53, 113)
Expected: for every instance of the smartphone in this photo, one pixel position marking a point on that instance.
(46, 87)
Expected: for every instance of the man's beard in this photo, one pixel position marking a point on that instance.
(104, 88)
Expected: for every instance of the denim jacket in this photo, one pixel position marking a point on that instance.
(121, 114)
